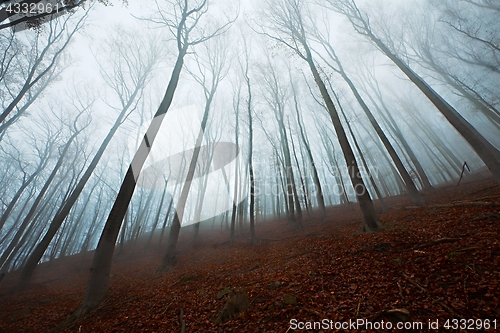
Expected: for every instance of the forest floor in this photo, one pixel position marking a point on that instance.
(438, 262)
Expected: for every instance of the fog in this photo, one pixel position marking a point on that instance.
(140, 120)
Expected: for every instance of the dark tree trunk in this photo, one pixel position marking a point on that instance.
(169, 259)
(410, 185)
(68, 204)
(363, 160)
(370, 220)
(485, 150)
(317, 183)
(98, 284)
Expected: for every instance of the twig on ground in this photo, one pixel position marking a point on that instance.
(314, 312)
(466, 249)
(459, 204)
(166, 308)
(401, 293)
(413, 282)
(437, 242)
(297, 255)
(357, 309)
(183, 323)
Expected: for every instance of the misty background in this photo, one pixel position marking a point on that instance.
(72, 80)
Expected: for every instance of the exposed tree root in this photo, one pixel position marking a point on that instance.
(80, 314)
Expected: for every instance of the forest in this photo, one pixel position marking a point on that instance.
(249, 166)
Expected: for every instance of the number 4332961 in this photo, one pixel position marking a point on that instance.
(470, 324)
(32, 8)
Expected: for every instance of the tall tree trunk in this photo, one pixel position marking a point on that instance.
(17, 196)
(236, 179)
(301, 178)
(169, 259)
(68, 204)
(363, 160)
(317, 183)
(165, 221)
(98, 284)
(370, 220)
(253, 238)
(485, 150)
(386, 114)
(410, 185)
(40, 196)
(157, 216)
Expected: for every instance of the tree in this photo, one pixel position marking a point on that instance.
(128, 55)
(236, 105)
(387, 116)
(305, 142)
(488, 4)
(410, 185)
(76, 129)
(182, 25)
(43, 154)
(484, 149)
(276, 93)
(245, 69)
(19, 21)
(439, 53)
(211, 72)
(361, 155)
(39, 69)
(287, 22)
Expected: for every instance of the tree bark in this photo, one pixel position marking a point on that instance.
(370, 220)
(484, 149)
(98, 284)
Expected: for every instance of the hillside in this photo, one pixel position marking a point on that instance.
(437, 262)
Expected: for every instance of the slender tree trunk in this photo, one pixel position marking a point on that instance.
(98, 284)
(317, 183)
(410, 185)
(16, 197)
(391, 122)
(397, 178)
(68, 204)
(301, 178)
(38, 199)
(363, 160)
(485, 150)
(331, 160)
(370, 220)
(165, 221)
(253, 238)
(169, 259)
(236, 179)
(157, 216)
